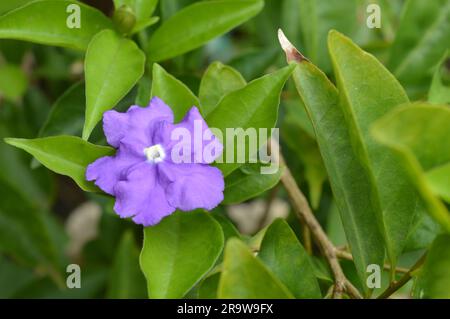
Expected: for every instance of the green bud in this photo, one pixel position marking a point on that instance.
(124, 19)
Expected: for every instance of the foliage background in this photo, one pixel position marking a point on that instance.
(47, 221)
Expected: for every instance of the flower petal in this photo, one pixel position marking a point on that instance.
(137, 123)
(141, 196)
(108, 170)
(192, 186)
(201, 138)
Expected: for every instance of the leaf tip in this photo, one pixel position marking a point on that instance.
(292, 54)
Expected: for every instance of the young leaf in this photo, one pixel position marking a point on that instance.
(126, 279)
(198, 23)
(173, 92)
(66, 155)
(54, 22)
(217, 81)
(245, 277)
(364, 100)
(258, 108)
(434, 278)
(242, 185)
(419, 134)
(178, 252)
(113, 65)
(283, 254)
(348, 178)
(421, 39)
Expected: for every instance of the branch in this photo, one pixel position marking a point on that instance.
(346, 255)
(304, 213)
(402, 281)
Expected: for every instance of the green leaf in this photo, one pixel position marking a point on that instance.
(46, 22)
(13, 82)
(421, 39)
(178, 252)
(217, 81)
(245, 277)
(208, 287)
(439, 92)
(419, 134)
(283, 254)
(434, 277)
(113, 65)
(258, 108)
(242, 185)
(67, 113)
(348, 179)
(66, 155)
(298, 134)
(198, 23)
(126, 278)
(173, 92)
(364, 99)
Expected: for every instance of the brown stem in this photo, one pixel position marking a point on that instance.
(304, 213)
(402, 281)
(346, 255)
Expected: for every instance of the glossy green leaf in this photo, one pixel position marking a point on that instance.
(66, 155)
(178, 252)
(258, 108)
(434, 277)
(348, 178)
(245, 277)
(13, 82)
(48, 22)
(439, 92)
(419, 133)
(113, 65)
(242, 185)
(198, 23)
(367, 92)
(217, 81)
(126, 278)
(173, 92)
(283, 254)
(421, 39)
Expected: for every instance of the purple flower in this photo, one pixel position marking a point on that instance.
(145, 175)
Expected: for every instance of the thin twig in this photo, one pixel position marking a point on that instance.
(346, 255)
(402, 281)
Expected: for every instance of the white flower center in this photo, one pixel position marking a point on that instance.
(155, 153)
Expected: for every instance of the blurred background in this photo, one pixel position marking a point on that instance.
(47, 222)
